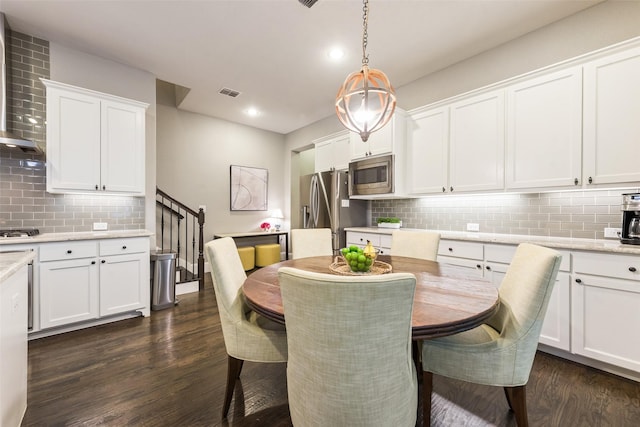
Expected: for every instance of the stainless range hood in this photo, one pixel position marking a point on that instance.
(8, 138)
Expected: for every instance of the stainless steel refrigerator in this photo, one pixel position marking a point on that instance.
(325, 204)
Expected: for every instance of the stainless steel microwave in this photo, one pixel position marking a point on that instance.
(371, 176)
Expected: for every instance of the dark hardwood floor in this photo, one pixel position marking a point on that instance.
(170, 369)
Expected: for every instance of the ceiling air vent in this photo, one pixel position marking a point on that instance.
(229, 92)
(308, 3)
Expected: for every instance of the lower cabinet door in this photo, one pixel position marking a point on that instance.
(124, 283)
(68, 292)
(605, 320)
(556, 329)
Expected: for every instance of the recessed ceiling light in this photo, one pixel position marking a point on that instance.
(336, 53)
(252, 112)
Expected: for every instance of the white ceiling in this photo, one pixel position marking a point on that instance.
(275, 51)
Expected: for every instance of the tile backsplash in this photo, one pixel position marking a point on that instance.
(578, 214)
(24, 202)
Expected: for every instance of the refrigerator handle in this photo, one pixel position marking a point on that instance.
(326, 200)
(314, 202)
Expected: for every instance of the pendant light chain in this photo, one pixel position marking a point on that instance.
(366, 100)
(365, 34)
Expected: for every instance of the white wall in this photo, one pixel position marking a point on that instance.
(92, 72)
(600, 26)
(194, 155)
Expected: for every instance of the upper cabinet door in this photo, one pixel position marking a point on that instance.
(387, 140)
(544, 131)
(612, 119)
(122, 159)
(95, 142)
(476, 146)
(332, 152)
(428, 151)
(73, 141)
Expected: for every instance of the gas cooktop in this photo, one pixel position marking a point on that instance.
(21, 232)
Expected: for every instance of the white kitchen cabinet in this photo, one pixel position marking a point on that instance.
(95, 142)
(476, 143)
(332, 152)
(124, 275)
(388, 140)
(91, 279)
(68, 283)
(468, 255)
(605, 313)
(611, 119)
(13, 348)
(379, 241)
(544, 131)
(428, 151)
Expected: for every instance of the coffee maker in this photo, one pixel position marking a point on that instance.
(630, 219)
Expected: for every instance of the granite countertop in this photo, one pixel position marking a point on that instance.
(87, 235)
(10, 262)
(602, 245)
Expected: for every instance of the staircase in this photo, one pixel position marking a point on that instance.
(179, 227)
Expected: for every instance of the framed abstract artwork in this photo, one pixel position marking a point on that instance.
(249, 188)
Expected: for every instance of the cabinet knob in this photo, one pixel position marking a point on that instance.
(590, 180)
(444, 189)
(488, 267)
(104, 187)
(93, 262)
(97, 186)
(575, 181)
(450, 249)
(69, 251)
(124, 247)
(478, 266)
(632, 269)
(451, 188)
(103, 261)
(578, 281)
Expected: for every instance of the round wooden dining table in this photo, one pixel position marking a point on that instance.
(447, 298)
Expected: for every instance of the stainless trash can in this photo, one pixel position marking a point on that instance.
(163, 279)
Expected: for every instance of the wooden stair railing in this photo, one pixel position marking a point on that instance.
(173, 216)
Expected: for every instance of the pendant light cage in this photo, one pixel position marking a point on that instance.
(366, 100)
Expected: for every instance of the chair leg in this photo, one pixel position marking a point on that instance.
(517, 398)
(427, 389)
(234, 366)
(507, 394)
(416, 348)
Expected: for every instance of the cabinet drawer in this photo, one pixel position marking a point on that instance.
(360, 239)
(504, 254)
(68, 250)
(458, 249)
(499, 253)
(609, 265)
(123, 246)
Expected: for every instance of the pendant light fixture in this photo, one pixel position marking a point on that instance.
(366, 100)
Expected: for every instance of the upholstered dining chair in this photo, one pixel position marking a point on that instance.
(247, 335)
(306, 242)
(501, 351)
(349, 341)
(415, 244)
